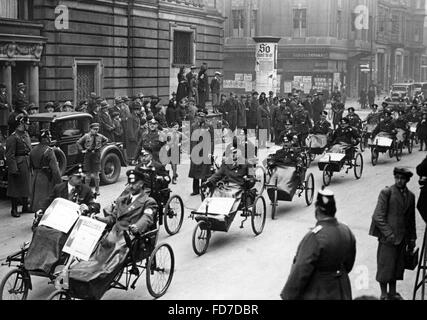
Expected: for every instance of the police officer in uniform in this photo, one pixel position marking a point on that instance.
(18, 147)
(324, 258)
(152, 140)
(302, 123)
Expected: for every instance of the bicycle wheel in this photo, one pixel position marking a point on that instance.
(358, 166)
(260, 177)
(309, 189)
(160, 269)
(59, 295)
(201, 237)
(173, 214)
(374, 156)
(15, 285)
(327, 175)
(399, 150)
(258, 215)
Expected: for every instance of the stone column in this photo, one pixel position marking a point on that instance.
(7, 79)
(34, 84)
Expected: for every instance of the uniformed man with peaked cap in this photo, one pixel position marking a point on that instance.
(324, 258)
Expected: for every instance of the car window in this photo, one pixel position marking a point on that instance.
(72, 128)
(398, 88)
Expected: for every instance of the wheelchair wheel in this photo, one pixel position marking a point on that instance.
(309, 189)
(358, 166)
(15, 285)
(391, 150)
(327, 175)
(258, 215)
(59, 295)
(362, 144)
(201, 237)
(374, 156)
(260, 179)
(160, 268)
(399, 150)
(173, 215)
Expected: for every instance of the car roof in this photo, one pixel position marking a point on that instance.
(56, 116)
(402, 84)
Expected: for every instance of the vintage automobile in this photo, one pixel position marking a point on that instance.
(421, 88)
(66, 129)
(402, 91)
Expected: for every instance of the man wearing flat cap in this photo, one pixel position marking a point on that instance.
(18, 147)
(324, 257)
(90, 145)
(393, 223)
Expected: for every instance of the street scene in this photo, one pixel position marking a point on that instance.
(213, 150)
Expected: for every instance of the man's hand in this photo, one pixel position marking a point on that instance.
(133, 228)
(83, 208)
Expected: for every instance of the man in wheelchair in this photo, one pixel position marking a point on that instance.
(386, 127)
(345, 138)
(232, 178)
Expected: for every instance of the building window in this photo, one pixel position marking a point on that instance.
(16, 9)
(300, 23)
(87, 79)
(395, 25)
(339, 24)
(238, 23)
(182, 48)
(254, 23)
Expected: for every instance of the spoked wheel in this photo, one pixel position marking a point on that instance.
(260, 179)
(258, 215)
(362, 144)
(274, 203)
(327, 175)
(173, 215)
(15, 285)
(160, 268)
(374, 156)
(358, 166)
(201, 237)
(410, 145)
(399, 150)
(59, 295)
(391, 151)
(309, 189)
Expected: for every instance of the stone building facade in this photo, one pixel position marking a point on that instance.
(112, 47)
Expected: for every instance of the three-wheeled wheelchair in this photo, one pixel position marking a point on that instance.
(288, 175)
(251, 204)
(334, 162)
(383, 144)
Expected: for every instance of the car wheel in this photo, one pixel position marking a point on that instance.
(61, 159)
(110, 168)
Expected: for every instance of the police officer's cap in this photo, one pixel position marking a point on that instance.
(255, 93)
(134, 176)
(45, 133)
(22, 118)
(351, 109)
(94, 125)
(76, 171)
(403, 171)
(325, 202)
(193, 67)
(384, 104)
(21, 85)
(153, 121)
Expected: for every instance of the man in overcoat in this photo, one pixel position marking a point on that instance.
(200, 167)
(393, 223)
(324, 258)
(18, 147)
(263, 122)
(107, 125)
(203, 86)
(252, 112)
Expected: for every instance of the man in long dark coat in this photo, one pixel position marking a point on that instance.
(393, 223)
(230, 112)
(324, 258)
(18, 147)
(200, 167)
(203, 86)
(252, 112)
(107, 125)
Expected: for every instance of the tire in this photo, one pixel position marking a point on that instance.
(258, 215)
(274, 205)
(110, 168)
(374, 157)
(16, 280)
(391, 151)
(159, 265)
(362, 145)
(327, 175)
(309, 189)
(358, 166)
(173, 216)
(59, 295)
(399, 151)
(61, 159)
(260, 177)
(201, 238)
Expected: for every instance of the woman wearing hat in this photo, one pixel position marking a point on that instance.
(45, 171)
(18, 147)
(393, 223)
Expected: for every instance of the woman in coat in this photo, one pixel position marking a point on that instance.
(182, 90)
(45, 171)
(263, 122)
